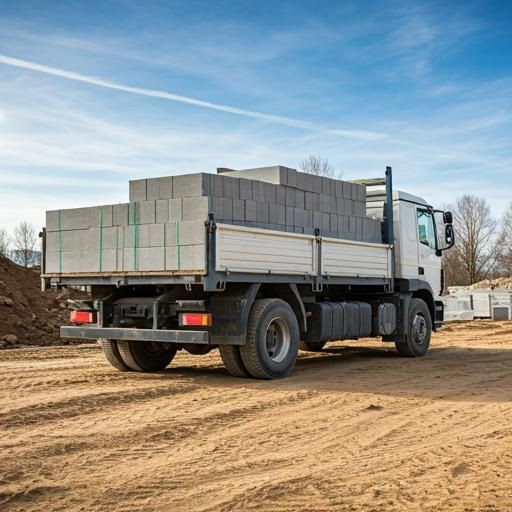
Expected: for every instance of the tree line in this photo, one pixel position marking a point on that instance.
(21, 246)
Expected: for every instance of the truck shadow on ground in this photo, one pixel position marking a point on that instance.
(450, 373)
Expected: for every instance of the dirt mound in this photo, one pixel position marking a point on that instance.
(27, 315)
(503, 283)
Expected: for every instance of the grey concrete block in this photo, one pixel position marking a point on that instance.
(276, 174)
(152, 189)
(74, 218)
(317, 219)
(130, 259)
(217, 185)
(361, 196)
(290, 197)
(250, 210)
(300, 201)
(109, 260)
(359, 226)
(333, 222)
(258, 191)
(171, 234)
(192, 232)
(261, 212)
(301, 181)
(191, 185)
(171, 258)
(147, 212)
(159, 188)
(298, 230)
(343, 224)
(231, 188)
(327, 203)
(326, 224)
(238, 210)
(338, 188)
(326, 186)
(162, 211)
(272, 213)
(289, 216)
(347, 190)
(222, 208)
(291, 177)
(270, 192)
(166, 185)
(281, 195)
(311, 201)
(151, 258)
(245, 189)
(52, 220)
(151, 235)
(301, 218)
(193, 257)
(197, 208)
(175, 210)
(120, 214)
(137, 190)
(355, 191)
(352, 225)
(100, 216)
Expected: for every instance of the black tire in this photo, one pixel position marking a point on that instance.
(419, 331)
(312, 346)
(145, 356)
(272, 342)
(230, 355)
(112, 355)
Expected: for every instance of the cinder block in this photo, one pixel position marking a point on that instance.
(159, 188)
(338, 188)
(352, 225)
(261, 212)
(290, 216)
(193, 257)
(361, 196)
(231, 188)
(166, 187)
(290, 197)
(258, 191)
(300, 201)
(250, 210)
(222, 208)
(107, 238)
(73, 218)
(343, 224)
(281, 195)
(175, 210)
(270, 192)
(312, 201)
(326, 186)
(238, 210)
(245, 189)
(275, 174)
(171, 258)
(217, 185)
(196, 208)
(100, 216)
(355, 191)
(171, 234)
(151, 258)
(162, 211)
(359, 226)
(291, 177)
(151, 235)
(147, 212)
(327, 203)
(137, 190)
(191, 232)
(109, 260)
(333, 222)
(326, 224)
(317, 219)
(191, 185)
(130, 259)
(347, 190)
(301, 218)
(272, 213)
(120, 214)
(152, 189)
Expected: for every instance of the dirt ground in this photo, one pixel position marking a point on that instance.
(353, 428)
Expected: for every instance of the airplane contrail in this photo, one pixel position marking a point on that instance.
(296, 123)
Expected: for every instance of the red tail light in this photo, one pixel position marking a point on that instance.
(196, 319)
(82, 317)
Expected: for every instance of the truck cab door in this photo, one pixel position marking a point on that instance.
(429, 264)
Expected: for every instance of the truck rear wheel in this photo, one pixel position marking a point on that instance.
(312, 346)
(272, 341)
(146, 356)
(230, 355)
(112, 354)
(419, 331)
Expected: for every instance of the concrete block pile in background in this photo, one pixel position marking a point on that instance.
(163, 225)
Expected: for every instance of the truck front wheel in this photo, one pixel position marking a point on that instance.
(272, 342)
(146, 356)
(419, 331)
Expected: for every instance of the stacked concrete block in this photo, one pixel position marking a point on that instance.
(163, 225)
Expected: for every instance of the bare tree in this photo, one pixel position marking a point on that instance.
(475, 253)
(319, 166)
(5, 242)
(505, 243)
(25, 237)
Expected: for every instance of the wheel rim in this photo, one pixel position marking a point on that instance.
(277, 339)
(152, 348)
(419, 329)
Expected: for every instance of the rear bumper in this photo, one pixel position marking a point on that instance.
(117, 333)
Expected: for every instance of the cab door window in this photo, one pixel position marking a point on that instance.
(426, 230)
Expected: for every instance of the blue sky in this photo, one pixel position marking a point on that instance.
(423, 86)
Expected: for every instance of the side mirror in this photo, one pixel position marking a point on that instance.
(448, 217)
(449, 235)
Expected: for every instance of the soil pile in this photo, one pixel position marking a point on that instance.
(29, 316)
(501, 283)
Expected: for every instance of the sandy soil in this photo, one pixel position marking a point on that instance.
(353, 428)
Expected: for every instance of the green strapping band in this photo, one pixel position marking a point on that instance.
(101, 238)
(178, 245)
(60, 245)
